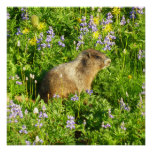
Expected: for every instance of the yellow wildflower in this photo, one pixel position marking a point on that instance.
(116, 10)
(96, 20)
(95, 34)
(33, 41)
(129, 77)
(25, 31)
(79, 20)
(108, 28)
(41, 26)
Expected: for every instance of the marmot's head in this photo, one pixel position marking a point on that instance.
(95, 59)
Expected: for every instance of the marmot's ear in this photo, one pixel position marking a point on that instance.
(88, 54)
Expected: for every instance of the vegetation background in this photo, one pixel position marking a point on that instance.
(113, 112)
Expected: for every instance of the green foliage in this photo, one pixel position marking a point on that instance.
(113, 114)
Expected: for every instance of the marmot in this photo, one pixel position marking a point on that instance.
(73, 76)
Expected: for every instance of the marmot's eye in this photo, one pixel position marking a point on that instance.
(97, 57)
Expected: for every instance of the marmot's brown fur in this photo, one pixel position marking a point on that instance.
(73, 76)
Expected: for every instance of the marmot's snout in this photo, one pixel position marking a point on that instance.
(107, 62)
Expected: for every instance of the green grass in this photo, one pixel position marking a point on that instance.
(112, 115)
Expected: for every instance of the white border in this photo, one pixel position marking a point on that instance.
(7, 3)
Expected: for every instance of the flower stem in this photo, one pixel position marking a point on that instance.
(79, 107)
(35, 90)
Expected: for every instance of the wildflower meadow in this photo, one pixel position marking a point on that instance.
(112, 112)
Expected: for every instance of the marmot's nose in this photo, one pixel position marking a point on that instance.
(107, 61)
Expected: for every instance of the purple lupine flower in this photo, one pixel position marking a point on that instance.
(89, 91)
(123, 105)
(24, 14)
(41, 141)
(62, 37)
(99, 40)
(105, 126)
(123, 126)
(140, 104)
(94, 28)
(132, 14)
(39, 48)
(27, 142)
(43, 108)
(56, 96)
(109, 16)
(43, 45)
(75, 98)
(123, 21)
(19, 31)
(15, 120)
(83, 25)
(8, 33)
(141, 54)
(48, 45)
(48, 39)
(70, 117)
(70, 122)
(140, 10)
(38, 124)
(108, 42)
(79, 44)
(40, 114)
(45, 115)
(26, 112)
(61, 44)
(20, 114)
(107, 47)
(80, 37)
(19, 83)
(92, 25)
(99, 37)
(143, 87)
(23, 130)
(108, 19)
(109, 113)
(38, 40)
(23, 9)
(8, 15)
(51, 32)
(83, 19)
(41, 34)
(84, 30)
